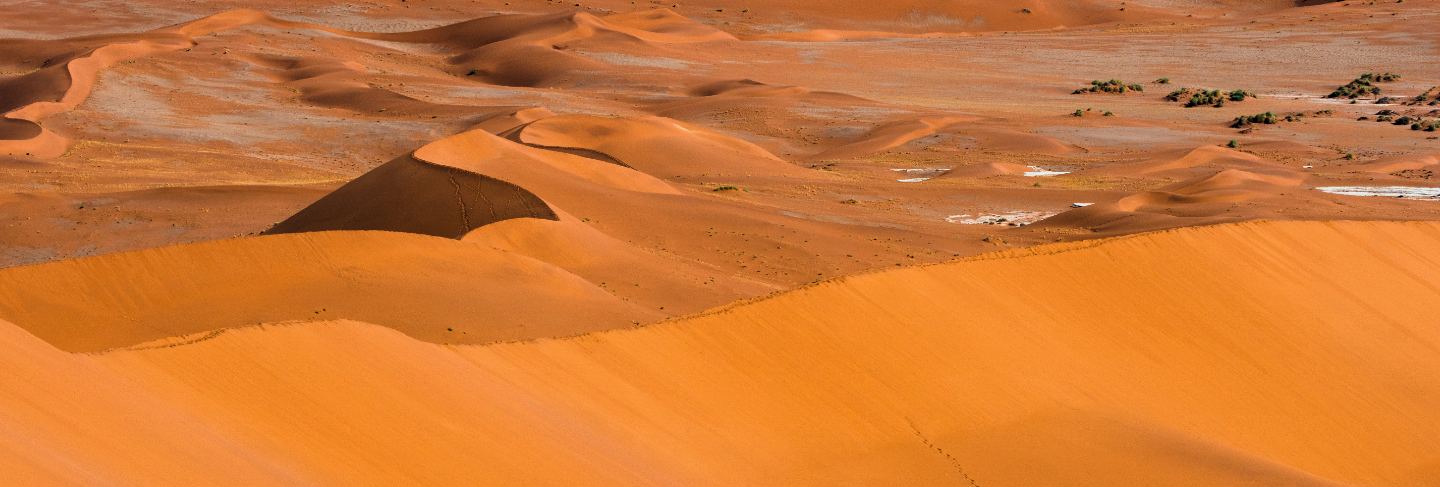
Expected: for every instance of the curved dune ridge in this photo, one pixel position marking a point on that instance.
(410, 195)
(433, 289)
(1034, 367)
(662, 147)
(457, 184)
(535, 49)
(519, 50)
(888, 136)
(1200, 158)
(1205, 199)
(1217, 180)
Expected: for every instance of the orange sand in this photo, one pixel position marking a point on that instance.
(1077, 364)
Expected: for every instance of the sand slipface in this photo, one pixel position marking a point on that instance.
(512, 242)
(1032, 367)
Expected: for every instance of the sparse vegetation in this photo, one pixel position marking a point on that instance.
(1430, 97)
(1234, 144)
(725, 188)
(1162, 81)
(1295, 117)
(1207, 97)
(1419, 122)
(1267, 118)
(1110, 86)
(1363, 86)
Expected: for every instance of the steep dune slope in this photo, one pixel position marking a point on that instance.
(408, 195)
(1039, 367)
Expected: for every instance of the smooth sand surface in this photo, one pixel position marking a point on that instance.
(1259, 353)
(718, 242)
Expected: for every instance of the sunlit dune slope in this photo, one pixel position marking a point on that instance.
(434, 289)
(1285, 353)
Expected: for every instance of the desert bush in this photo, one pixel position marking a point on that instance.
(1207, 97)
(1268, 118)
(1363, 85)
(1109, 86)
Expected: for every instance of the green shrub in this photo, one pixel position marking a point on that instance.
(1204, 97)
(1109, 86)
(725, 188)
(1268, 118)
(1162, 81)
(1207, 97)
(1363, 86)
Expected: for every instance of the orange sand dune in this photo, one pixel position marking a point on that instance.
(888, 136)
(33, 97)
(653, 280)
(526, 51)
(410, 195)
(658, 146)
(1036, 367)
(1392, 164)
(1199, 159)
(483, 153)
(66, 84)
(912, 16)
(1203, 200)
(326, 82)
(456, 184)
(534, 49)
(433, 289)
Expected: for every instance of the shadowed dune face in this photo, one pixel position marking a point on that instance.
(407, 195)
(1037, 367)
